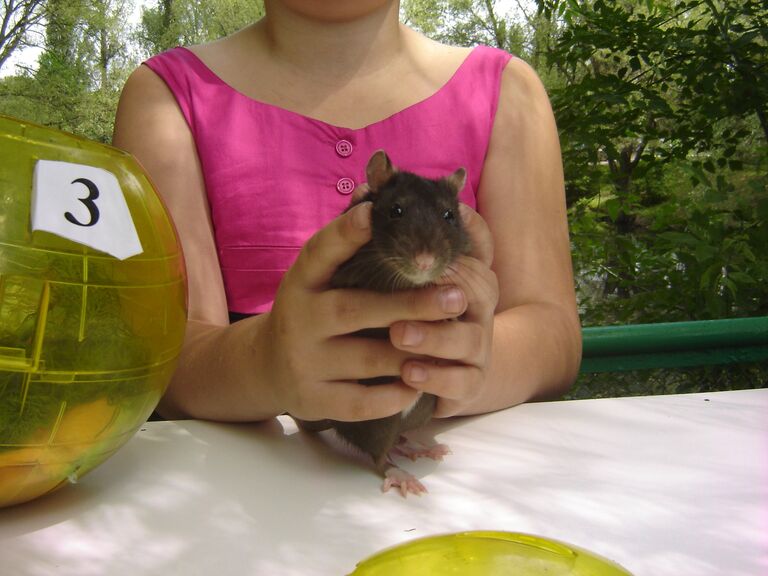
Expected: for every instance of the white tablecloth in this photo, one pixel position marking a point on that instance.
(664, 486)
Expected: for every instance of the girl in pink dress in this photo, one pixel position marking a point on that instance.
(256, 142)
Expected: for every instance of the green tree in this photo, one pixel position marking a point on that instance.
(465, 23)
(185, 22)
(104, 41)
(17, 19)
(515, 27)
(62, 78)
(80, 71)
(654, 79)
(662, 122)
(89, 49)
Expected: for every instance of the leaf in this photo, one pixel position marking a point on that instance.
(678, 238)
(707, 278)
(762, 205)
(748, 254)
(697, 174)
(742, 278)
(704, 253)
(612, 207)
(715, 195)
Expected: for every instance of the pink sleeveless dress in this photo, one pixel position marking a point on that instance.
(274, 177)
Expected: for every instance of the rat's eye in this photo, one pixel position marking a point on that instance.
(396, 211)
(449, 216)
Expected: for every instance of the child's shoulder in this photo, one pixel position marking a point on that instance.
(232, 51)
(440, 59)
(432, 54)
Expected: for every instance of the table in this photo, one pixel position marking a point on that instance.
(664, 485)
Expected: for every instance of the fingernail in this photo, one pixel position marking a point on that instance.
(417, 373)
(452, 300)
(361, 215)
(412, 335)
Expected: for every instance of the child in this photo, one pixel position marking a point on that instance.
(256, 141)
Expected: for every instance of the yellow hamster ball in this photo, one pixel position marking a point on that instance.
(92, 305)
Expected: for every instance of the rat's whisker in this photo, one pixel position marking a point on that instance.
(384, 277)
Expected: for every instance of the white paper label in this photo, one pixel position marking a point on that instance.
(83, 204)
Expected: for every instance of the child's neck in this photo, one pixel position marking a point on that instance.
(333, 51)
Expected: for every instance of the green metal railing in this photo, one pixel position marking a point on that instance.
(675, 344)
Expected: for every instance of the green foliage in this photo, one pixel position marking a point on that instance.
(61, 105)
(465, 23)
(654, 79)
(87, 56)
(18, 18)
(17, 97)
(652, 382)
(80, 73)
(184, 22)
(662, 117)
(695, 255)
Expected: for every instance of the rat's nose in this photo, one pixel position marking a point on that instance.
(424, 261)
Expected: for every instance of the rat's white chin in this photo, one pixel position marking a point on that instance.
(420, 277)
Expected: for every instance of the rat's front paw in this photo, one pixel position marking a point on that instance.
(405, 482)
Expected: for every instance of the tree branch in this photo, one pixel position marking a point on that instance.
(638, 153)
(18, 18)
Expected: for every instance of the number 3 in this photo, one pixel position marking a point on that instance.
(88, 202)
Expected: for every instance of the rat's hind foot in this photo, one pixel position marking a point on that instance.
(405, 482)
(413, 450)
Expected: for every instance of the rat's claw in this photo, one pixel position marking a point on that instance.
(437, 451)
(407, 483)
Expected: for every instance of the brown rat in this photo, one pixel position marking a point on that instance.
(416, 234)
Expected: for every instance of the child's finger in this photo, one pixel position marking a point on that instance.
(353, 309)
(454, 384)
(457, 341)
(360, 191)
(353, 402)
(331, 246)
(479, 234)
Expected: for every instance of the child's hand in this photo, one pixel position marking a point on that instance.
(460, 352)
(309, 357)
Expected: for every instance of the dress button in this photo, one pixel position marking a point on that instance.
(344, 148)
(345, 185)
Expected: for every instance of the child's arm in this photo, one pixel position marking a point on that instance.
(295, 358)
(531, 347)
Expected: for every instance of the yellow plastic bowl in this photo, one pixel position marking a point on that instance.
(88, 342)
(487, 554)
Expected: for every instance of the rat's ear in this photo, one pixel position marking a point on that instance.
(457, 180)
(379, 170)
